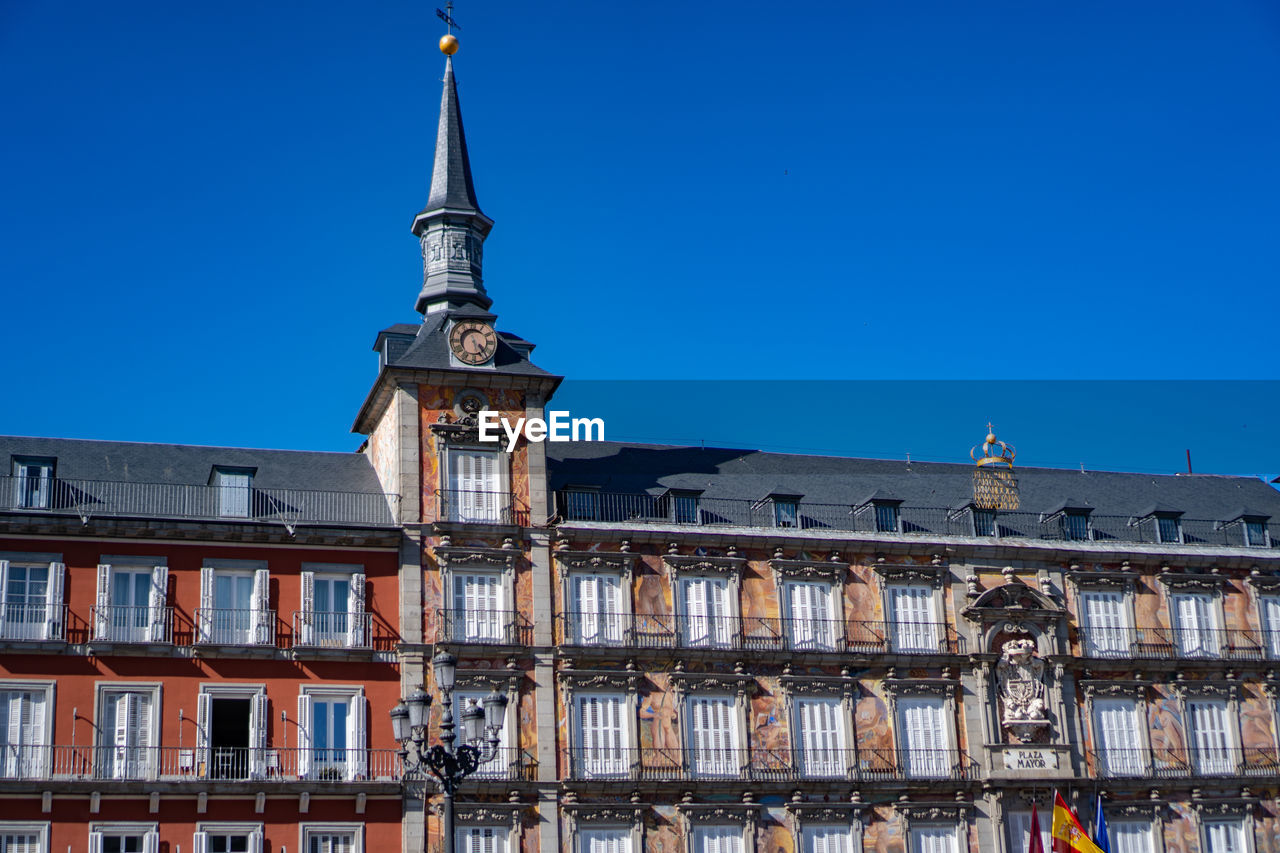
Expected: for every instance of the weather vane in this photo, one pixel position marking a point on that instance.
(446, 15)
(448, 41)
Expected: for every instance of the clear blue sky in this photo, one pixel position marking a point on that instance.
(207, 208)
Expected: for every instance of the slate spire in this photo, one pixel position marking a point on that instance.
(451, 228)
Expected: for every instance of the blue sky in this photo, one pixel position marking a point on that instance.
(207, 212)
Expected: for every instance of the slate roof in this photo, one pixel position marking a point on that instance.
(451, 184)
(749, 474)
(430, 349)
(142, 462)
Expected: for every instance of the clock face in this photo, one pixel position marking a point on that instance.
(473, 342)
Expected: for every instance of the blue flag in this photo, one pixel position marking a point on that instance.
(1100, 830)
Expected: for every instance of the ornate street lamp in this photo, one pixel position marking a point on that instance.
(481, 727)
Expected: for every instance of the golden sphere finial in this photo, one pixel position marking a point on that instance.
(449, 44)
(991, 438)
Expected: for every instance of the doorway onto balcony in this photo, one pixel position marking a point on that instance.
(229, 727)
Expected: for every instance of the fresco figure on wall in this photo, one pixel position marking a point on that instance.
(1167, 742)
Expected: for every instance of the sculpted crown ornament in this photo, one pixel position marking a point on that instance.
(1021, 673)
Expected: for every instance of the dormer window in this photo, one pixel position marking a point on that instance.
(984, 522)
(1075, 525)
(32, 482)
(786, 513)
(581, 503)
(1169, 529)
(1255, 532)
(234, 487)
(682, 506)
(886, 516)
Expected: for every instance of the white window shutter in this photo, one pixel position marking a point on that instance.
(1270, 607)
(718, 610)
(4, 595)
(355, 612)
(203, 766)
(95, 842)
(357, 738)
(259, 721)
(204, 625)
(695, 610)
(255, 841)
(200, 842)
(588, 608)
(306, 627)
(260, 618)
(610, 595)
(141, 715)
(304, 735)
(102, 620)
(151, 842)
(1212, 737)
(53, 627)
(159, 598)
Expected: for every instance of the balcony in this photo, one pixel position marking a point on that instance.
(1178, 644)
(755, 633)
(235, 627)
(336, 631)
(653, 764)
(920, 521)
(33, 623)
(472, 507)
(182, 764)
(510, 764)
(1182, 763)
(112, 498)
(484, 627)
(132, 625)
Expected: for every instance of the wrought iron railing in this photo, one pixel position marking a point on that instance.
(492, 627)
(313, 629)
(33, 622)
(1159, 643)
(657, 764)
(509, 763)
(235, 627)
(473, 507)
(114, 498)
(122, 623)
(628, 508)
(758, 633)
(171, 763)
(1183, 762)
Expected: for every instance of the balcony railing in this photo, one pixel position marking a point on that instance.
(924, 521)
(169, 763)
(1158, 643)
(658, 765)
(114, 498)
(122, 623)
(509, 764)
(314, 629)
(491, 627)
(33, 622)
(756, 633)
(235, 627)
(1176, 763)
(480, 507)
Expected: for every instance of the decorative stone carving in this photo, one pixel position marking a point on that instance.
(481, 558)
(832, 570)
(1021, 676)
(929, 573)
(595, 561)
(731, 566)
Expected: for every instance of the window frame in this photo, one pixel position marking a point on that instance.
(737, 735)
(48, 474)
(40, 829)
(49, 688)
(919, 827)
(833, 636)
(231, 474)
(1096, 696)
(250, 829)
(150, 833)
(155, 690)
(356, 764)
(307, 830)
(844, 730)
(501, 491)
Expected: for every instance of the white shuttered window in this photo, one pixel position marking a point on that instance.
(826, 838)
(1224, 836)
(1106, 622)
(1019, 824)
(1129, 836)
(603, 735)
(477, 607)
(707, 614)
(914, 627)
(822, 737)
(1269, 605)
(811, 615)
(939, 838)
(604, 841)
(1196, 624)
(481, 839)
(924, 738)
(598, 606)
(1119, 740)
(717, 839)
(713, 735)
(23, 739)
(474, 486)
(1211, 736)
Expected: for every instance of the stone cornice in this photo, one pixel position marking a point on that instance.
(944, 687)
(1185, 581)
(493, 679)
(1102, 580)
(1149, 809)
(606, 813)
(593, 679)
(1233, 807)
(684, 682)
(1263, 582)
(1208, 688)
(832, 570)
(743, 814)
(595, 561)
(457, 556)
(809, 685)
(489, 813)
(1109, 688)
(931, 573)
(728, 566)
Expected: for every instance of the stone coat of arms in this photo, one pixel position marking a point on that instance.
(1021, 676)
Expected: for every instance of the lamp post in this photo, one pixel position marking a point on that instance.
(449, 764)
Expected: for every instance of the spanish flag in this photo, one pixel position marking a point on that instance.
(1068, 835)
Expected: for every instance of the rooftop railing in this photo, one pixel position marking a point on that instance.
(924, 521)
(113, 498)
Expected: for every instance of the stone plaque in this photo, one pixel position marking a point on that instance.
(1030, 758)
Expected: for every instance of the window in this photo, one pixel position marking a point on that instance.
(24, 732)
(984, 522)
(811, 619)
(821, 736)
(24, 837)
(124, 838)
(826, 838)
(1019, 824)
(1269, 607)
(706, 617)
(227, 838)
(602, 734)
(478, 615)
(1075, 525)
(475, 487)
(234, 607)
(1212, 741)
(32, 483)
(479, 839)
(1117, 737)
(1195, 632)
(336, 838)
(1129, 836)
(1224, 836)
(684, 508)
(716, 839)
(786, 513)
(713, 735)
(333, 740)
(1107, 632)
(1255, 532)
(934, 838)
(235, 486)
(1169, 529)
(604, 841)
(924, 737)
(886, 517)
(231, 732)
(913, 628)
(131, 604)
(333, 614)
(598, 615)
(501, 761)
(127, 733)
(581, 504)
(31, 600)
